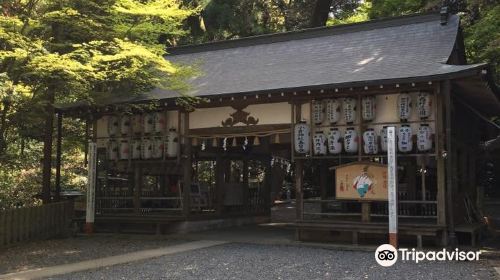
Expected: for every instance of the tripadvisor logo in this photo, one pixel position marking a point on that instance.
(386, 255)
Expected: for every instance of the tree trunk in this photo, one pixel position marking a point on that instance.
(320, 13)
(47, 147)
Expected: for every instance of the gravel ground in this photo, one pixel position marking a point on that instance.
(247, 261)
(61, 251)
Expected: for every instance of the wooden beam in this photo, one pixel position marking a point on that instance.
(237, 129)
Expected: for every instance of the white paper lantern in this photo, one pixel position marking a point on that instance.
(424, 138)
(368, 108)
(405, 139)
(113, 125)
(383, 138)
(404, 106)
(172, 143)
(112, 150)
(317, 113)
(319, 143)
(158, 147)
(351, 140)
(124, 149)
(159, 122)
(332, 110)
(125, 125)
(424, 104)
(370, 143)
(147, 148)
(147, 123)
(334, 143)
(136, 123)
(136, 149)
(349, 108)
(302, 134)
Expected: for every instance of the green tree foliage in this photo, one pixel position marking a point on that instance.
(57, 51)
(482, 37)
(228, 19)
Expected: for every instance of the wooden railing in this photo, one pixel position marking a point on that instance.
(35, 223)
(330, 208)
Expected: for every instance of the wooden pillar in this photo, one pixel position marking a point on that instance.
(219, 184)
(450, 182)
(47, 146)
(411, 176)
(246, 191)
(323, 182)
(299, 176)
(266, 143)
(58, 155)
(187, 161)
(366, 211)
(441, 166)
(299, 169)
(137, 188)
(87, 137)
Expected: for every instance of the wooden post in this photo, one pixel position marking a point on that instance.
(246, 191)
(299, 174)
(441, 169)
(366, 211)
(450, 182)
(47, 146)
(323, 182)
(219, 184)
(91, 184)
(137, 188)
(187, 166)
(58, 156)
(392, 182)
(299, 171)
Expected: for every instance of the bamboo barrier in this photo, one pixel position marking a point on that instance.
(35, 223)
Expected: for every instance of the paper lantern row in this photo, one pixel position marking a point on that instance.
(335, 143)
(144, 148)
(424, 106)
(148, 123)
(331, 108)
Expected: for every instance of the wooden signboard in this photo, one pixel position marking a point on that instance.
(361, 181)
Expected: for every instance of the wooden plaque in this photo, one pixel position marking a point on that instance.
(361, 181)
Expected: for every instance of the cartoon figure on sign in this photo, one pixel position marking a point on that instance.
(363, 183)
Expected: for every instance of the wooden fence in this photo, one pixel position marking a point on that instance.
(35, 223)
